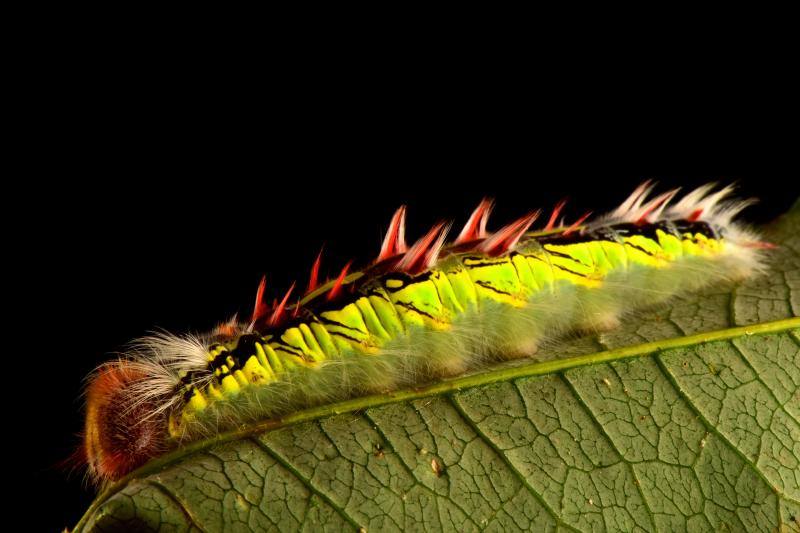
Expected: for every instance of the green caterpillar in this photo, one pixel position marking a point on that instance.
(415, 314)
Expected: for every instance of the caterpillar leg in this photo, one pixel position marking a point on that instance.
(600, 322)
(521, 349)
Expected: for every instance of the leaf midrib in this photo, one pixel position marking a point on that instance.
(445, 386)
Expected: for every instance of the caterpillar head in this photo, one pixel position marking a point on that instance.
(121, 431)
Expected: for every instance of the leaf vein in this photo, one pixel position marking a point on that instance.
(603, 431)
(411, 472)
(471, 423)
(781, 406)
(712, 429)
(306, 482)
(174, 498)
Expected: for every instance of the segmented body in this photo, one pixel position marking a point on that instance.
(382, 305)
(417, 313)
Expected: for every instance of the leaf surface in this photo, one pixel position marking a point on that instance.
(684, 418)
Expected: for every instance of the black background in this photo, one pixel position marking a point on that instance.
(145, 206)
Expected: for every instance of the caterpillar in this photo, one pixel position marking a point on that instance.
(426, 311)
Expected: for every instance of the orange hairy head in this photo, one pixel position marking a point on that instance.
(121, 433)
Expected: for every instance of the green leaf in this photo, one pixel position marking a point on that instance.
(685, 418)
